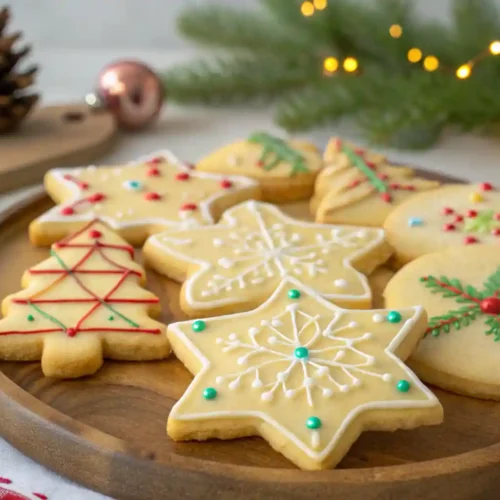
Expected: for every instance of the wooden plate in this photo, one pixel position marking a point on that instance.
(108, 431)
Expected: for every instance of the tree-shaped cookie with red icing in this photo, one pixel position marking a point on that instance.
(358, 186)
(82, 304)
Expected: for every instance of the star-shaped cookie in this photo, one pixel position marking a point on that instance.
(302, 373)
(138, 199)
(237, 264)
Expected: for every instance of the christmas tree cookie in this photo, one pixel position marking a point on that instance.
(81, 305)
(285, 169)
(137, 199)
(302, 373)
(460, 289)
(361, 187)
(236, 264)
(452, 215)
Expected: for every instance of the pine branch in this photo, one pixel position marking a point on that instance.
(494, 324)
(492, 284)
(452, 288)
(455, 318)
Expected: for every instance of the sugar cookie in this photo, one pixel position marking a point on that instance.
(236, 264)
(361, 187)
(137, 199)
(452, 215)
(81, 305)
(285, 169)
(302, 373)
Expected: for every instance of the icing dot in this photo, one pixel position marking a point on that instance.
(344, 388)
(70, 332)
(290, 393)
(486, 186)
(469, 240)
(189, 206)
(394, 317)
(225, 263)
(198, 326)
(340, 283)
(94, 198)
(276, 322)
(272, 340)
(132, 185)
(152, 196)
(30, 317)
(67, 211)
(353, 324)
(476, 197)
(447, 211)
(378, 318)
(449, 227)
(321, 371)
(111, 318)
(234, 384)
(94, 233)
(266, 396)
(386, 377)
(309, 382)
(471, 213)
(301, 352)
(226, 184)
(253, 330)
(403, 386)
(153, 172)
(209, 393)
(356, 382)
(257, 383)
(182, 176)
(233, 336)
(217, 242)
(218, 340)
(327, 393)
(293, 294)
(313, 423)
(415, 221)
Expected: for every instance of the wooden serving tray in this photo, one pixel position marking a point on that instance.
(108, 431)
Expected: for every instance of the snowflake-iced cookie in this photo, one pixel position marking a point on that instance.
(460, 289)
(137, 199)
(285, 169)
(452, 215)
(361, 187)
(81, 305)
(236, 264)
(302, 373)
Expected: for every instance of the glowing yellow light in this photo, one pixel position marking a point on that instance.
(495, 47)
(395, 31)
(431, 63)
(464, 71)
(307, 9)
(350, 64)
(331, 64)
(414, 55)
(320, 4)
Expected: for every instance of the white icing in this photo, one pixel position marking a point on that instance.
(320, 447)
(378, 318)
(340, 283)
(218, 242)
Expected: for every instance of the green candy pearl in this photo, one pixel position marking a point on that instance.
(293, 294)
(198, 326)
(301, 352)
(313, 423)
(30, 317)
(111, 318)
(403, 386)
(209, 393)
(394, 317)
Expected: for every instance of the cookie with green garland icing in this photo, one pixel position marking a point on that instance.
(460, 289)
(358, 186)
(461, 215)
(285, 169)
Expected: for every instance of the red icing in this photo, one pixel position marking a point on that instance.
(226, 184)
(449, 227)
(189, 206)
(70, 332)
(490, 305)
(469, 240)
(155, 161)
(152, 196)
(447, 211)
(386, 197)
(471, 213)
(486, 186)
(182, 176)
(153, 172)
(67, 211)
(94, 233)
(96, 197)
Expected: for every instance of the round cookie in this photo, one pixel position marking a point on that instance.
(285, 170)
(460, 289)
(452, 215)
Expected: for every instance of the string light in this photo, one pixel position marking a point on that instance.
(464, 71)
(331, 64)
(431, 63)
(350, 64)
(320, 4)
(307, 8)
(414, 55)
(395, 31)
(495, 47)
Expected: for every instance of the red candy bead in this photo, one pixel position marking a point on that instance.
(71, 332)
(496, 231)
(386, 197)
(152, 196)
(226, 184)
(459, 218)
(447, 211)
(94, 233)
(96, 197)
(189, 206)
(67, 211)
(469, 240)
(153, 172)
(449, 227)
(155, 161)
(486, 186)
(471, 213)
(491, 305)
(182, 176)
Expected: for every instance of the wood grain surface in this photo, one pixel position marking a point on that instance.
(108, 431)
(54, 136)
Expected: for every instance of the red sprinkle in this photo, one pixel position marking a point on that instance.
(383, 177)
(67, 211)
(372, 166)
(83, 185)
(67, 177)
(386, 197)
(94, 198)
(94, 233)
(189, 206)
(496, 231)
(359, 151)
(459, 218)
(260, 163)
(497, 216)
(447, 211)
(152, 196)
(449, 227)
(471, 213)
(226, 184)
(486, 186)
(153, 172)
(182, 176)
(70, 332)
(354, 183)
(410, 188)
(155, 161)
(4, 480)
(469, 240)
(41, 496)
(395, 186)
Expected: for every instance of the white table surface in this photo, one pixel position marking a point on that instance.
(190, 132)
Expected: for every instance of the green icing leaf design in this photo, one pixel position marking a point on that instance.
(483, 222)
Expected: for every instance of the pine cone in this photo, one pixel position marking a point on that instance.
(15, 101)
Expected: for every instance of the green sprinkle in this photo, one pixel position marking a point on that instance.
(403, 386)
(313, 423)
(30, 317)
(301, 352)
(209, 393)
(198, 326)
(394, 317)
(111, 318)
(293, 294)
